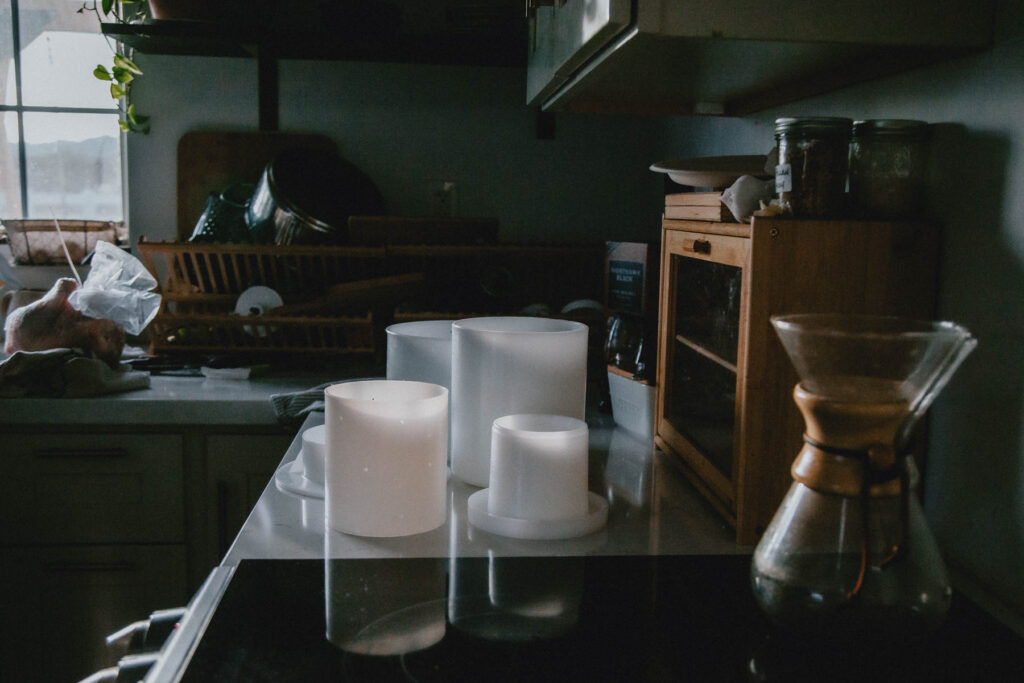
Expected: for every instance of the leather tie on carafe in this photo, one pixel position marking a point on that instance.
(849, 450)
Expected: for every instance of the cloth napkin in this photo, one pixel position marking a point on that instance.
(64, 373)
(292, 407)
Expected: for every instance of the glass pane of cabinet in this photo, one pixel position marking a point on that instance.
(707, 311)
(700, 399)
(700, 404)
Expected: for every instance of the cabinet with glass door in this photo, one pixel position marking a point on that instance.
(724, 406)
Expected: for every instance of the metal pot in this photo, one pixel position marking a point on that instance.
(305, 196)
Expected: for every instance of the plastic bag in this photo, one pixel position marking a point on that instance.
(743, 197)
(118, 288)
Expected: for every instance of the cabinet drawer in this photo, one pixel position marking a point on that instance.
(92, 488)
(717, 248)
(60, 602)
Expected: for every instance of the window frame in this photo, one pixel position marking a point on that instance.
(19, 109)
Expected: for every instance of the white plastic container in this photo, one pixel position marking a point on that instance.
(538, 467)
(312, 455)
(420, 351)
(509, 365)
(633, 405)
(387, 443)
(538, 482)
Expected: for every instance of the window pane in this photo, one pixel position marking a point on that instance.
(10, 176)
(6, 54)
(59, 50)
(74, 166)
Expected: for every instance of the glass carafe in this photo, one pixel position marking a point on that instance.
(849, 554)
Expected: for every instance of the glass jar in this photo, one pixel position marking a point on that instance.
(887, 168)
(810, 178)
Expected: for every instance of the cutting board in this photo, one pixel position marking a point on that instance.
(209, 161)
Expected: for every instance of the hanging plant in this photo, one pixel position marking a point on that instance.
(122, 72)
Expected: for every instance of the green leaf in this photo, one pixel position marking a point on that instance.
(107, 6)
(126, 64)
(116, 91)
(124, 126)
(101, 73)
(122, 75)
(138, 121)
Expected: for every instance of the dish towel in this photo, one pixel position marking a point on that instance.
(293, 406)
(64, 373)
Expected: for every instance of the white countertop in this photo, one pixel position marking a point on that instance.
(167, 401)
(652, 510)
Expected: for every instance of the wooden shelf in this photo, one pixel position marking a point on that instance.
(503, 46)
(374, 39)
(694, 346)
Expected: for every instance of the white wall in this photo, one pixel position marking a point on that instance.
(405, 125)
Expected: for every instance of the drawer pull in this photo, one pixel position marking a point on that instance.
(105, 453)
(83, 566)
(701, 247)
(223, 493)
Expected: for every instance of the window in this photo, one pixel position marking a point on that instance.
(60, 144)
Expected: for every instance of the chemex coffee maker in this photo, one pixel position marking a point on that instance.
(849, 554)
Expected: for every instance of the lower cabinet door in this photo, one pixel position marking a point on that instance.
(60, 602)
(238, 469)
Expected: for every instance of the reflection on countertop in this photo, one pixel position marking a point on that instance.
(652, 510)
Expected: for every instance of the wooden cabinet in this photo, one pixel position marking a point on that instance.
(731, 56)
(92, 488)
(237, 469)
(100, 528)
(60, 601)
(724, 404)
(93, 536)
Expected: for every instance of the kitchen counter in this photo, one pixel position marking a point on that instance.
(661, 593)
(652, 510)
(168, 401)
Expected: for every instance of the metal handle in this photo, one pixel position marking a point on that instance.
(108, 675)
(85, 566)
(130, 637)
(223, 493)
(81, 453)
(701, 247)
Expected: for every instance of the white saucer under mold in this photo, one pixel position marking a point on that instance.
(290, 478)
(537, 529)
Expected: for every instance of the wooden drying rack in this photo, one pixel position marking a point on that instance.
(200, 284)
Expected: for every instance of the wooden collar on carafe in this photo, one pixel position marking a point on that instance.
(844, 441)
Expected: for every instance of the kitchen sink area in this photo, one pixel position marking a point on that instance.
(491, 340)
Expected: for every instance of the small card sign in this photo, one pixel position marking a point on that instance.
(631, 277)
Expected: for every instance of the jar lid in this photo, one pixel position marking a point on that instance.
(902, 127)
(821, 125)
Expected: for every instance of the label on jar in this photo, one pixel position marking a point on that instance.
(783, 178)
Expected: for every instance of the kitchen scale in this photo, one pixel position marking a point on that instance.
(605, 618)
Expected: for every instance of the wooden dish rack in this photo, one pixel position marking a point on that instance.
(200, 284)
